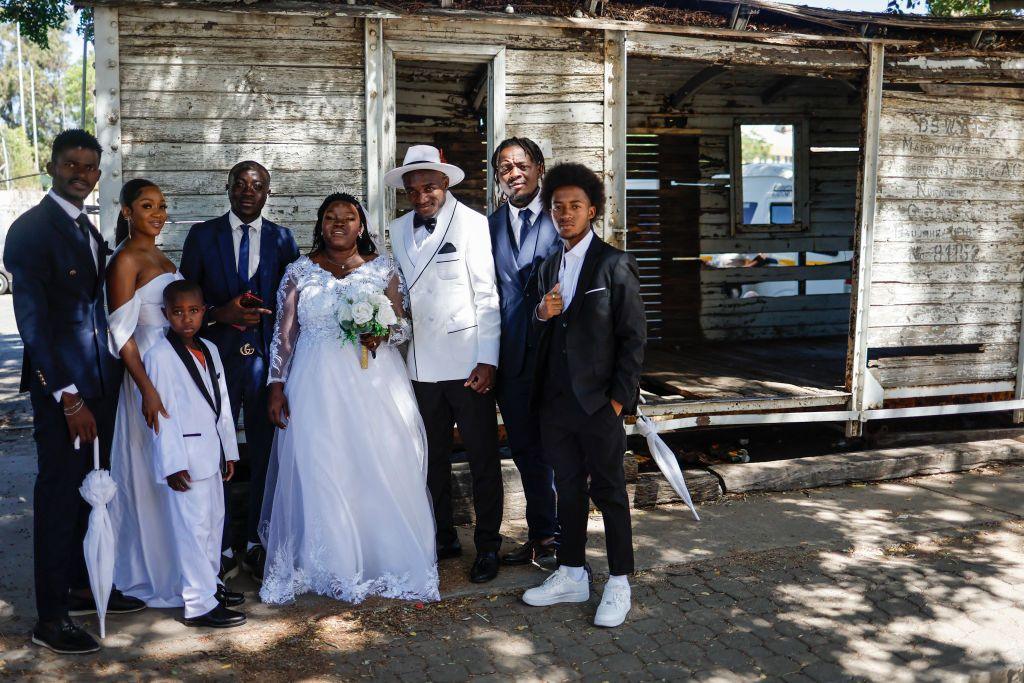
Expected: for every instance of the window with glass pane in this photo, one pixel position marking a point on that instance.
(767, 164)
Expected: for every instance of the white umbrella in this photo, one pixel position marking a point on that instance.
(98, 489)
(665, 459)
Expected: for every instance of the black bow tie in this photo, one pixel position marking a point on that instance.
(428, 223)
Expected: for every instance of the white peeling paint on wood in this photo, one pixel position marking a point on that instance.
(949, 249)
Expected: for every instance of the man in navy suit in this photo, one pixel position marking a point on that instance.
(239, 258)
(58, 259)
(522, 236)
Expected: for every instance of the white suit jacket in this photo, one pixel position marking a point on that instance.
(190, 439)
(456, 322)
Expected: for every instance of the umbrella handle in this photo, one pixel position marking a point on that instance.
(96, 453)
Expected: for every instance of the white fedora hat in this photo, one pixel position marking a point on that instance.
(423, 158)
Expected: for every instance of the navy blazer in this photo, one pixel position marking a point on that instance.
(58, 304)
(517, 284)
(208, 258)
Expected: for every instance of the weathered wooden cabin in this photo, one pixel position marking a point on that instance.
(827, 207)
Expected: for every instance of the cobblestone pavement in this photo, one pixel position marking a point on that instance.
(939, 609)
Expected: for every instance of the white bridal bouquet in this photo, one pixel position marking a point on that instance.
(365, 312)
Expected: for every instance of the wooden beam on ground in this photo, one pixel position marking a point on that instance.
(875, 465)
(695, 83)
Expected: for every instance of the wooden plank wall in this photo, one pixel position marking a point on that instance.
(554, 80)
(834, 121)
(949, 238)
(201, 91)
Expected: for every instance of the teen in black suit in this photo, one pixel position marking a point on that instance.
(58, 260)
(588, 374)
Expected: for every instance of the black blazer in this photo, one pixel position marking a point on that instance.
(58, 304)
(606, 330)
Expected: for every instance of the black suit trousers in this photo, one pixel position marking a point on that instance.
(522, 426)
(442, 405)
(60, 514)
(581, 447)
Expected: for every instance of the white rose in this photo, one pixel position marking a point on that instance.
(344, 312)
(386, 315)
(362, 312)
(380, 300)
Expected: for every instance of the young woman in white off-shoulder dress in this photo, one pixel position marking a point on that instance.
(346, 512)
(136, 279)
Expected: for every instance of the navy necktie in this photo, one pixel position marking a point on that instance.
(526, 216)
(243, 255)
(428, 223)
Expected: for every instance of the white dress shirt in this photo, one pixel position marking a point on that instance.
(569, 269)
(419, 233)
(255, 229)
(535, 206)
(74, 212)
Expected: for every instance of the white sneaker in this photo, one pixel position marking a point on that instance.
(614, 607)
(558, 588)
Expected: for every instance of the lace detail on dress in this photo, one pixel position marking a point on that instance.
(283, 581)
(308, 300)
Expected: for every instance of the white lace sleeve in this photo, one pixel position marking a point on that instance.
(400, 332)
(286, 327)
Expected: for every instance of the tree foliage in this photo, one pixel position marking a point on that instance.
(38, 17)
(942, 8)
(58, 86)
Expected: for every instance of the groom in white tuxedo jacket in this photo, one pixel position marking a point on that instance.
(443, 249)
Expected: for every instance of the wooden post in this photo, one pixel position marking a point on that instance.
(857, 363)
(108, 116)
(375, 165)
(615, 228)
(1018, 392)
(496, 117)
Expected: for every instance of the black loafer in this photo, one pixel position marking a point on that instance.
(117, 603)
(229, 598)
(229, 567)
(64, 637)
(540, 552)
(447, 552)
(255, 559)
(484, 568)
(219, 617)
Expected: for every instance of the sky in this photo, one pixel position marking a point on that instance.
(853, 5)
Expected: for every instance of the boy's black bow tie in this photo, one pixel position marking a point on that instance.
(428, 223)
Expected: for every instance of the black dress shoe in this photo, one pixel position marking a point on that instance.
(541, 552)
(446, 552)
(484, 568)
(219, 617)
(117, 603)
(255, 559)
(229, 598)
(64, 637)
(229, 567)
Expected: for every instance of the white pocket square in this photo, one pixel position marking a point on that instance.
(591, 291)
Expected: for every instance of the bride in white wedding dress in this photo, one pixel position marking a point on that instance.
(346, 513)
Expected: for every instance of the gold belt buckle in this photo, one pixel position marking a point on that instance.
(247, 349)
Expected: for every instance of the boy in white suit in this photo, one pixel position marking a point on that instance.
(443, 248)
(195, 451)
